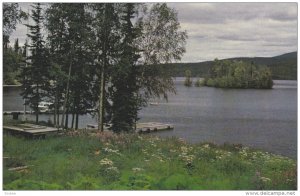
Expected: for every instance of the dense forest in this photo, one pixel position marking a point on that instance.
(283, 67)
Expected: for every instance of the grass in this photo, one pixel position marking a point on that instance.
(107, 161)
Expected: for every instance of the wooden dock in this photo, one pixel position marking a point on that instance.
(30, 129)
(152, 126)
(146, 127)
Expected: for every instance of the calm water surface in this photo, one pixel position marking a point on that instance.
(265, 119)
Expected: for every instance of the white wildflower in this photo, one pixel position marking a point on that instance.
(264, 179)
(106, 162)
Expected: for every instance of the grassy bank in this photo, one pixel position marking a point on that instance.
(122, 162)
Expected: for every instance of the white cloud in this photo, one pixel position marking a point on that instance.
(225, 30)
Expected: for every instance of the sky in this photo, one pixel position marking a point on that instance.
(225, 30)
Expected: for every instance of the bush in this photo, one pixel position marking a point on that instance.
(211, 82)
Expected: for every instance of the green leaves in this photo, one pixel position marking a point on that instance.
(239, 74)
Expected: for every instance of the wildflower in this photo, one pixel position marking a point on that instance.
(112, 168)
(184, 149)
(206, 146)
(172, 151)
(152, 144)
(106, 162)
(110, 150)
(264, 179)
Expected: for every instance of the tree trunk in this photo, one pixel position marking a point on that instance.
(55, 108)
(66, 96)
(37, 105)
(76, 124)
(57, 118)
(67, 118)
(102, 78)
(72, 123)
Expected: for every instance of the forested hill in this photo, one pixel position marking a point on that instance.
(282, 66)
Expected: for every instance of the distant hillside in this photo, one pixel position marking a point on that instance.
(283, 67)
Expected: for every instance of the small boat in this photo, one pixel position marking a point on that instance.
(44, 106)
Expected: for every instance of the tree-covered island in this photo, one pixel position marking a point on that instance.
(238, 74)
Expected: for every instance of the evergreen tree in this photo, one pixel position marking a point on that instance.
(35, 76)
(16, 46)
(125, 98)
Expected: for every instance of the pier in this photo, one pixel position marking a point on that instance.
(31, 130)
(146, 127)
(152, 126)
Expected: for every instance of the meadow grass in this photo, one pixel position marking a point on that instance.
(106, 161)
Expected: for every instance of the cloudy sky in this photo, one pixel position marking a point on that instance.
(224, 30)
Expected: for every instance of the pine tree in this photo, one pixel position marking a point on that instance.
(35, 75)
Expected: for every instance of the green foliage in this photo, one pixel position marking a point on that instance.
(93, 45)
(84, 183)
(177, 182)
(238, 74)
(23, 184)
(125, 97)
(199, 82)
(12, 15)
(139, 182)
(12, 62)
(35, 79)
(135, 162)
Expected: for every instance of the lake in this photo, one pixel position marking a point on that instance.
(264, 119)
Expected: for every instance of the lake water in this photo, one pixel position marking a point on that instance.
(264, 119)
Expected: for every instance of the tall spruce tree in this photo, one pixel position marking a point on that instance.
(125, 100)
(35, 76)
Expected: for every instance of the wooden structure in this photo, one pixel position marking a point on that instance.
(142, 127)
(152, 126)
(31, 130)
